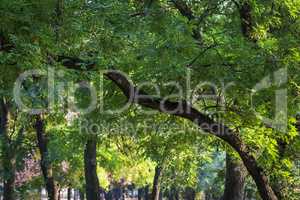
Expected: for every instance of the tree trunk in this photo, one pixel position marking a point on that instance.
(147, 192)
(8, 155)
(140, 193)
(58, 194)
(246, 20)
(90, 169)
(156, 183)
(45, 164)
(235, 179)
(189, 193)
(9, 169)
(69, 193)
(256, 172)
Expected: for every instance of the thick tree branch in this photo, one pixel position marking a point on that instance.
(75, 63)
(245, 10)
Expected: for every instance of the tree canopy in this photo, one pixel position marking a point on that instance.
(183, 98)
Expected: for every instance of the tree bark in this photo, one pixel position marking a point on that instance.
(147, 192)
(246, 20)
(189, 193)
(156, 183)
(235, 179)
(69, 193)
(90, 169)
(9, 169)
(140, 193)
(8, 155)
(58, 194)
(45, 163)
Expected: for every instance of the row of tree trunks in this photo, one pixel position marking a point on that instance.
(90, 169)
(46, 166)
(204, 122)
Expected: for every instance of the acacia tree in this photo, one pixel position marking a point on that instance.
(237, 41)
(232, 139)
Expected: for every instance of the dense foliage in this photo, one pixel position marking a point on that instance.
(237, 62)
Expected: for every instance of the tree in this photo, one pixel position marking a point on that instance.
(45, 163)
(248, 43)
(92, 182)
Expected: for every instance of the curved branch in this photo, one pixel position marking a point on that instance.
(184, 110)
